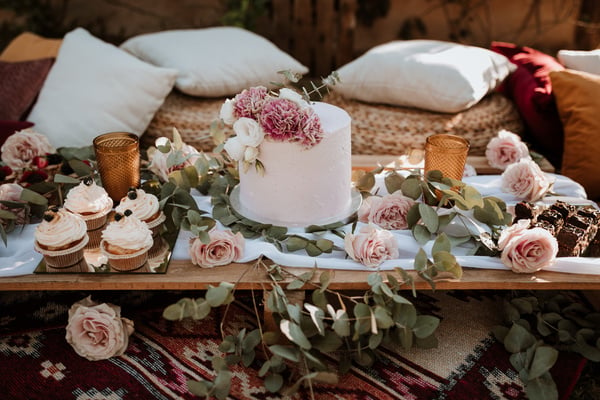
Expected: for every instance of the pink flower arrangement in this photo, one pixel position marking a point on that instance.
(282, 118)
(526, 180)
(371, 246)
(224, 248)
(527, 250)
(387, 212)
(23, 147)
(505, 149)
(97, 331)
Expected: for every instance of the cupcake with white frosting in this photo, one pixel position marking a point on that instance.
(61, 238)
(126, 241)
(91, 202)
(146, 208)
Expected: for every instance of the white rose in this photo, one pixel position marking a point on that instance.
(292, 95)
(235, 148)
(226, 113)
(250, 154)
(248, 131)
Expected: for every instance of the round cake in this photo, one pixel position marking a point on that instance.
(302, 186)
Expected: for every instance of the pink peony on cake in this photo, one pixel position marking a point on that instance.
(294, 158)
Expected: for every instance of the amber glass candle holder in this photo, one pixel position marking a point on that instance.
(446, 153)
(118, 159)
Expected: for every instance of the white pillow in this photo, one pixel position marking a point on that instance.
(581, 60)
(427, 74)
(94, 88)
(214, 62)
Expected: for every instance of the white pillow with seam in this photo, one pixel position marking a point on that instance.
(581, 60)
(427, 74)
(214, 62)
(95, 88)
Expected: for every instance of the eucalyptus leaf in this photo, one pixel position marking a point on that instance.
(341, 326)
(429, 217)
(542, 388)
(425, 325)
(393, 181)
(545, 357)
(411, 188)
(294, 333)
(216, 296)
(442, 243)
(32, 197)
(199, 388)
(273, 382)
(328, 343)
(518, 339)
(294, 243)
(295, 284)
(59, 178)
(421, 234)
(316, 315)
(287, 352)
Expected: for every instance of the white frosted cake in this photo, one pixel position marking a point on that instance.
(302, 186)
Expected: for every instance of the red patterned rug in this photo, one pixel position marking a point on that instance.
(36, 362)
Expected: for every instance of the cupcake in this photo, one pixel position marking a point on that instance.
(145, 207)
(92, 203)
(61, 238)
(126, 241)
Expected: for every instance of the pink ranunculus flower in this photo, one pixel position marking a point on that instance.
(224, 248)
(97, 331)
(387, 212)
(20, 148)
(505, 149)
(281, 120)
(159, 161)
(371, 246)
(250, 102)
(527, 250)
(525, 180)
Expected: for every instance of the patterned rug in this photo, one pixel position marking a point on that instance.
(36, 362)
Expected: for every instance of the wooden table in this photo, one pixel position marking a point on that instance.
(182, 275)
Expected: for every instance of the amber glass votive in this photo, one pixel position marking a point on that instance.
(446, 153)
(118, 158)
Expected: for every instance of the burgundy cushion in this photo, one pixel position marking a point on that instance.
(7, 128)
(20, 83)
(531, 90)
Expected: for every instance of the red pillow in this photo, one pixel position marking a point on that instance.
(7, 128)
(20, 83)
(531, 90)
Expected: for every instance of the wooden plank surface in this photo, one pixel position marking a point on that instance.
(182, 275)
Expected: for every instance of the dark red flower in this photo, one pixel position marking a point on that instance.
(34, 176)
(40, 162)
(4, 172)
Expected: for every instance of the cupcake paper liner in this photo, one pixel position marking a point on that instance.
(156, 224)
(95, 238)
(95, 221)
(63, 258)
(125, 262)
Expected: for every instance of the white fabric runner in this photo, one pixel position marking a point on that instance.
(487, 185)
(20, 258)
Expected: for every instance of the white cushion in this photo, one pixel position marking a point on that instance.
(427, 74)
(94, 88)
(581, 60)
(214, 62)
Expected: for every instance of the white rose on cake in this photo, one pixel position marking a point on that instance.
(248, 131)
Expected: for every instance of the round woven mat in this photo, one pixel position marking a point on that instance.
(376, 128)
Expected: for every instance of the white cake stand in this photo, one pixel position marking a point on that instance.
(346, 217)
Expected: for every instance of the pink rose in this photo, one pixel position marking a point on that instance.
(371, 246)
(281, 119)
(224, 248)
(12, 192)
(160, 163)
(527, 250)
(20, 148)
(97, 331)
(525, 180)
(387, 212)
(249, 103)
(505, 149)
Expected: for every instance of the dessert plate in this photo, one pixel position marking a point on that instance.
(356, 200)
